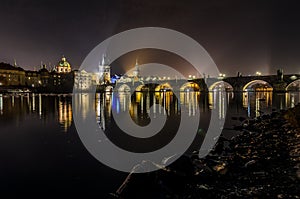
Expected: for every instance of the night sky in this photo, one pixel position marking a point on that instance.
(245, 36)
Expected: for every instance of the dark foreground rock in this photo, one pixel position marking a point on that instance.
(262, 162)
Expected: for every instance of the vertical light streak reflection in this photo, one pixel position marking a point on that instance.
(154, 105)
(40, 104)
(220, 103)
(28, 102)
(246, 100)
(292, 101)
(1, 104)
(21, 102)
(257, 107)
(210, 100)
(98, 104)
(118, 105)
(223, 106)
(33, 101)
(64, 114)
(287, 99)
(148, 103)
(160, 102)
(13, 101)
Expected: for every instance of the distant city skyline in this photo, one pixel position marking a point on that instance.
(240, 36)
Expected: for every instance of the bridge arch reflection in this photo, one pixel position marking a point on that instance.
(124, 88)
(294, 86)
(163, 87)
(190, 86)
(221, 85)
(258, 85)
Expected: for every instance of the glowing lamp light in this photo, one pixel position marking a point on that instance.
(258, 73)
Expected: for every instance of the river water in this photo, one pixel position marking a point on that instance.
(40, 150)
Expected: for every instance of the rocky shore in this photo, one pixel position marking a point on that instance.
(261, 162)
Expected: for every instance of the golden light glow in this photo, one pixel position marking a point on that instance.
(65, 114)
(163, 87)
(190, 86)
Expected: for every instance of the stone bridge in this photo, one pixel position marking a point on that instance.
(162, 85)
(277, 83)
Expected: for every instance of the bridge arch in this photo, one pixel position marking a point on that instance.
(294, 86)
(190, 86)
(221, 85)
(249, 86)
(163, 87)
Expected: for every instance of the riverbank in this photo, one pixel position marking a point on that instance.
(263, 161)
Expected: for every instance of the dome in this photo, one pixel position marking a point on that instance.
(63, 66)
(64, 63)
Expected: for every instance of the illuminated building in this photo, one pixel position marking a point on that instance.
(44, 76)
(83, 80)
(61, 82)
(61, 79)
(11, 75)
(104, 71)
(32, 79)
(63, 66)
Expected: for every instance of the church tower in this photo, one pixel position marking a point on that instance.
(104, 71)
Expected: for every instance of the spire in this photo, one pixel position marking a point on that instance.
(136, 70)
(103, 61)
(15, 63)
(63, 58)
(136, 64)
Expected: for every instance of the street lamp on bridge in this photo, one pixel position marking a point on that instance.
(222, 75)
(258, 73)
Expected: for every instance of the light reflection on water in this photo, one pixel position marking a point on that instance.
(241, 104)
(35, 153)
(15, 107)
(1, 104)
(245, 104)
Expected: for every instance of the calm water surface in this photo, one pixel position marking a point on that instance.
(40, 150)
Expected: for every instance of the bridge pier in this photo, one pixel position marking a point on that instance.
(279, 87)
